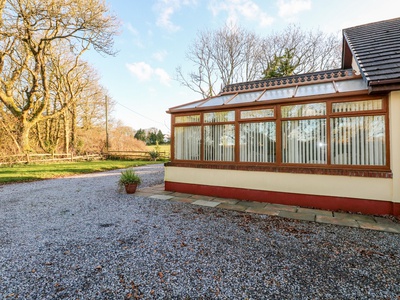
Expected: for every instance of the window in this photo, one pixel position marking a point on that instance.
(304, 139)
(358, 140)
(187, 142)
(258, 142)
(187, 139)
(219, 139)
(333, 134)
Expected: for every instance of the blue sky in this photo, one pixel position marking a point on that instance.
(155, 35)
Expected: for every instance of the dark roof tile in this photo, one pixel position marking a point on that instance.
(376, 48)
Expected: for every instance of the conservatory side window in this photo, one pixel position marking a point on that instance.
(187, 143)
(303, 134)
(358, 140)
(219, 139)
(258, 142)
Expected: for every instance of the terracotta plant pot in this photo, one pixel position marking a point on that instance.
(130, 188)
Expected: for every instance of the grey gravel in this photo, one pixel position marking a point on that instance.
(80, 238)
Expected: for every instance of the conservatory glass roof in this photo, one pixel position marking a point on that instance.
(298, 86)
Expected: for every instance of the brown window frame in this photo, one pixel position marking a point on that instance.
(278, 166)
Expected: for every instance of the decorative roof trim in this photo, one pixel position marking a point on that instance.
(295, 80)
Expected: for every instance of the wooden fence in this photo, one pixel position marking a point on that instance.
(42, 158)
(140, 155)
(59, 157)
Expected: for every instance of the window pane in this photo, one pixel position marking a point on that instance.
(245, 97)
(222, 116)
(357, 106)
(304, 141)
(259, 113)
(187, 119)
(219, 142)
(187, 142)
(219, 100)
(303, 110)
(358, 141)
(258, 142)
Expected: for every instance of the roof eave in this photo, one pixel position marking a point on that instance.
(379, 86)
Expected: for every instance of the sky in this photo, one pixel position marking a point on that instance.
(155, 36)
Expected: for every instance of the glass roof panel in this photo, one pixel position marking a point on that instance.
(315, 89)
(278, 94)
(351, 85)
(245, 97)
(189, 105)
(219, 100)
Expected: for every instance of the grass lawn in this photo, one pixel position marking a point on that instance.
(162, 148)
(20, 173)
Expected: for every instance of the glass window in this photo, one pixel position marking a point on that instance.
(357, 106)
(187, 143)
(315, 89)
(358, 141)
(222, 116)
(258, 142)
(278, 94)
(219, 142)
(304, 141)
(187, 119)
(219, 100)
(245, 97)
(257, 113)
(303, 110)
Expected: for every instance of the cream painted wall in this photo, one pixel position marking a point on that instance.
(394, 129)
(327, 185)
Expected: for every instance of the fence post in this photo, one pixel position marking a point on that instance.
(72, 156)
(27, 158)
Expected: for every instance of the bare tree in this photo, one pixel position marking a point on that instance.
(30, 34)
(310, 51)
(223, 57)
(231, 54)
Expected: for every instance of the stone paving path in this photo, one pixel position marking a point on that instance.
(285, 211)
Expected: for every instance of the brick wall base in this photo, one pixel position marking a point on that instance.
(364, 206)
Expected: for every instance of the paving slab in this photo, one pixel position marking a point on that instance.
(182, 199)
(201, 197)
(177, 194)
(395, 228)
(226, 200)
(382, 220)
(281, 207)
(337, 221)
(206, 203)
(263, 210)
(251, 204)
(162, 197)
(357, 217)
(297, 216)
(315, 211)
(234, 207)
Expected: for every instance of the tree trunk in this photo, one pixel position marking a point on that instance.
(23, 139)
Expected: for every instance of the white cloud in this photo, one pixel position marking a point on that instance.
(145, 72)
(166, 8)
(136, 35)
(236, 9)
(290, 8)
(160, 55)
(163, 76)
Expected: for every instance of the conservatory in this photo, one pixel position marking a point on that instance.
(323, 140)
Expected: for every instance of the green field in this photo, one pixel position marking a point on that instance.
(21, 173)
(161, 148)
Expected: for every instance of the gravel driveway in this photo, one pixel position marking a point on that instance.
(79, 238)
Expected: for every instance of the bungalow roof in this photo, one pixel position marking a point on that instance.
(375, 48)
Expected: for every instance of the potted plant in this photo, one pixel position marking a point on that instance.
(130, 180)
